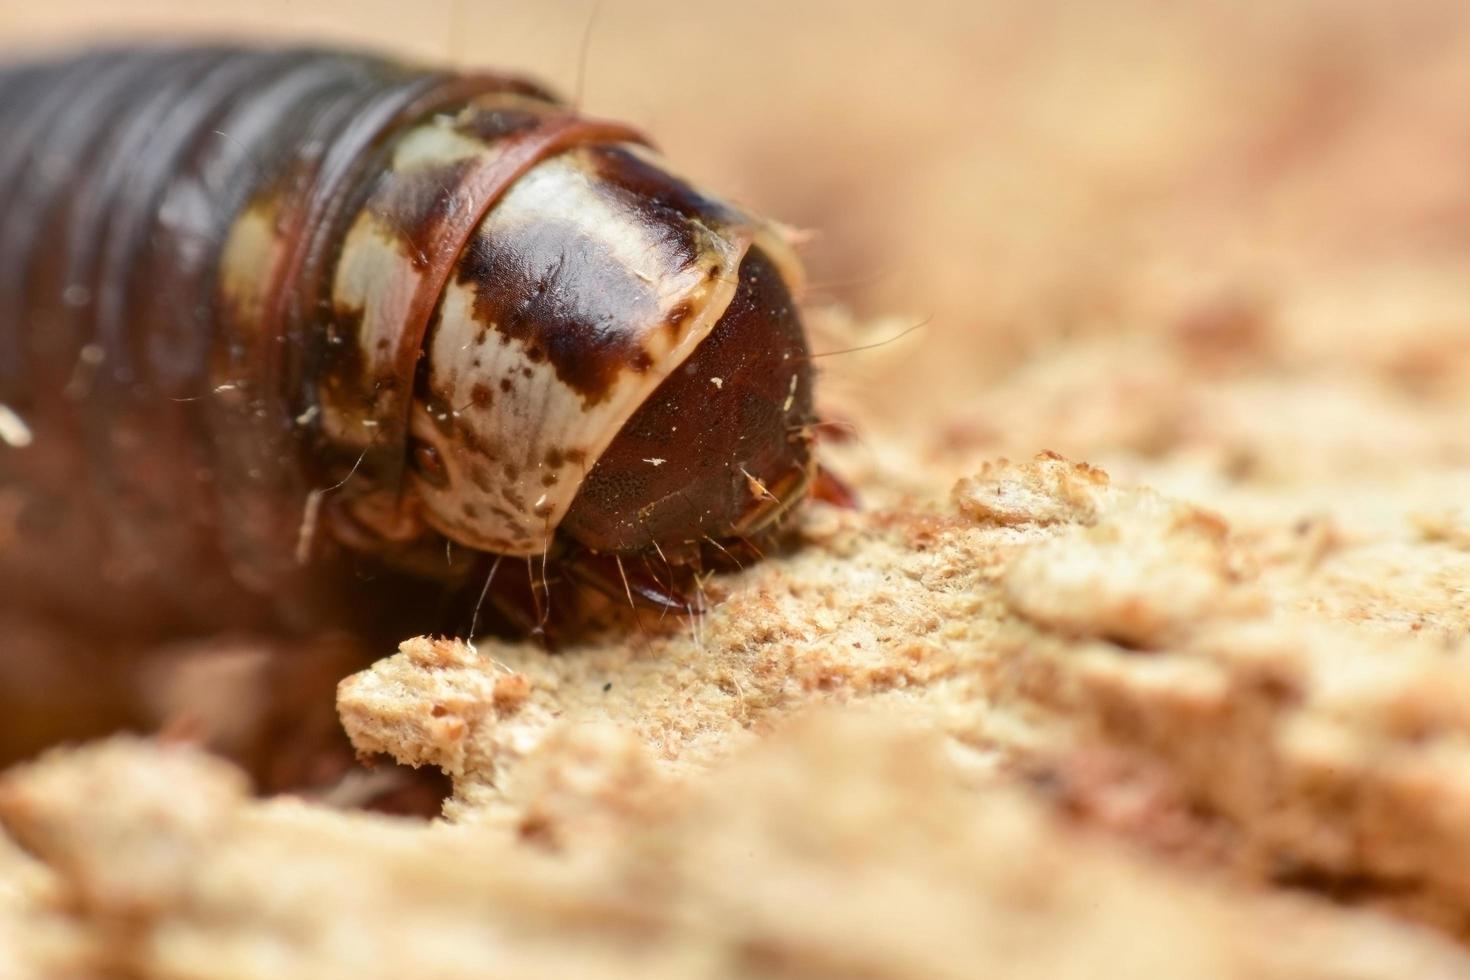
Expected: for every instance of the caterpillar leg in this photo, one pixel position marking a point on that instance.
(635, 581)
(829, 488)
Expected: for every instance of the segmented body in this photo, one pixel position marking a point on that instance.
(276, 323)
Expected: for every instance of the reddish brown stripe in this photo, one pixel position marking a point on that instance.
(476, 194)
(316, 215)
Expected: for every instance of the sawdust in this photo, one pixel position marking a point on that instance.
(1046, 722)
(1047, 622)
(844, 847)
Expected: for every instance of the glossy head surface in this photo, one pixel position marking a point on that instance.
(721, 448)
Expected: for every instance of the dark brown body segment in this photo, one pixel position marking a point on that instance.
(150, 496)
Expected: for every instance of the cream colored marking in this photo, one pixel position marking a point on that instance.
(306, 532)
(376, 277)
(717, 382)
(790, 395)
(434, 145)
(248, 256)
(773, 238)
(656, 461)
(560, 190)
(13, 429)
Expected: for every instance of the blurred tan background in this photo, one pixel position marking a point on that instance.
(1013, 173)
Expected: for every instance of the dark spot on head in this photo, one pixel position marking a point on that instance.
(481, 395)
(512, 471)
(506, 384)
(553, 457)
(428, 464)
(470, 509)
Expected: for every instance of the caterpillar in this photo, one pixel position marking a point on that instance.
(302, 336)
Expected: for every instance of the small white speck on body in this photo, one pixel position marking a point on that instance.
(13, 429)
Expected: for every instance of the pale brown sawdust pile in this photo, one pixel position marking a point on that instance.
(1041, 724)
(1181, 689)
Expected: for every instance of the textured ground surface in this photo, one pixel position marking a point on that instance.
(1181, 689)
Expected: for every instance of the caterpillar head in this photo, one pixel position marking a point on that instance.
(615, 359)
(721, 448)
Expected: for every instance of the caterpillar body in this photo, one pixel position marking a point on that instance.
(288, 335)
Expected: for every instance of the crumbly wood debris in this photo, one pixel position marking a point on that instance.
(843, 845)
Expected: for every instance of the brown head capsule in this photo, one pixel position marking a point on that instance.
(598, 304)
(282, 311)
